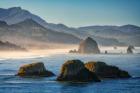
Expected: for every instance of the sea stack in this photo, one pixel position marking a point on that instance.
(75, 71)
(88, 46)
(130, 49)
(104, 70)
(34, 69)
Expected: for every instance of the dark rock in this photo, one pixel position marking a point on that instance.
(34, 69)
(106, 71)
(74, 70)
(115, 47)
(88, 46)
(130, 49)
(106, 52)
(73, 51)
(3, 23)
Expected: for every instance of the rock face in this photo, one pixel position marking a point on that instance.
(106, 71)
(34, 69)
(74, 70)
(88, 46)
(130, 49)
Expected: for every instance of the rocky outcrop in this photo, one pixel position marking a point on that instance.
(106, 71)
(73, 51)
(130, 49)
(106, 52)
(34, 69)
(88, 46)
(74, 70)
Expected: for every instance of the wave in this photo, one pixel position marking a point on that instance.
(137, 77)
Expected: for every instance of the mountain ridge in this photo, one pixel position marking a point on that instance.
(29, 32)
(126, 34)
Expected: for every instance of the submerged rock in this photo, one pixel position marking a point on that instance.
(88, 46)
(106, 71)
(74, 70)
(34, 69)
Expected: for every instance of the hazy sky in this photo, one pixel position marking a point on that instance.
(82, 12)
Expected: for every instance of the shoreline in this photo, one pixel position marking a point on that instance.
(49, 52)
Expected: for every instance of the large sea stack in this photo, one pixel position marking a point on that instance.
(88, 46)
(106, 71)
(34, 69)
(74, 70)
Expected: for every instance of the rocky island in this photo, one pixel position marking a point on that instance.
(34, 69)
(74, 70)
(130, 49)
(104, 70)
(77, 71)
(88, 46)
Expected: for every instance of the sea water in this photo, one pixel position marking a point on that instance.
(14, 84)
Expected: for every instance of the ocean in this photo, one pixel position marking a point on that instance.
(9, 83)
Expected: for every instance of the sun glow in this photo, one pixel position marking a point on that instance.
(32, 53)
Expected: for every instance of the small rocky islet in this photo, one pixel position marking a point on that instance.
(75, 71)
(34, 69)
(103, 70)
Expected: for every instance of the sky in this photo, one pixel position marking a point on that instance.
(77, 13)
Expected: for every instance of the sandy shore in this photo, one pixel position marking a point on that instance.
(32, 53)
(48, 52)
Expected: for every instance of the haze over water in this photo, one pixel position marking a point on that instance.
(48, 52)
